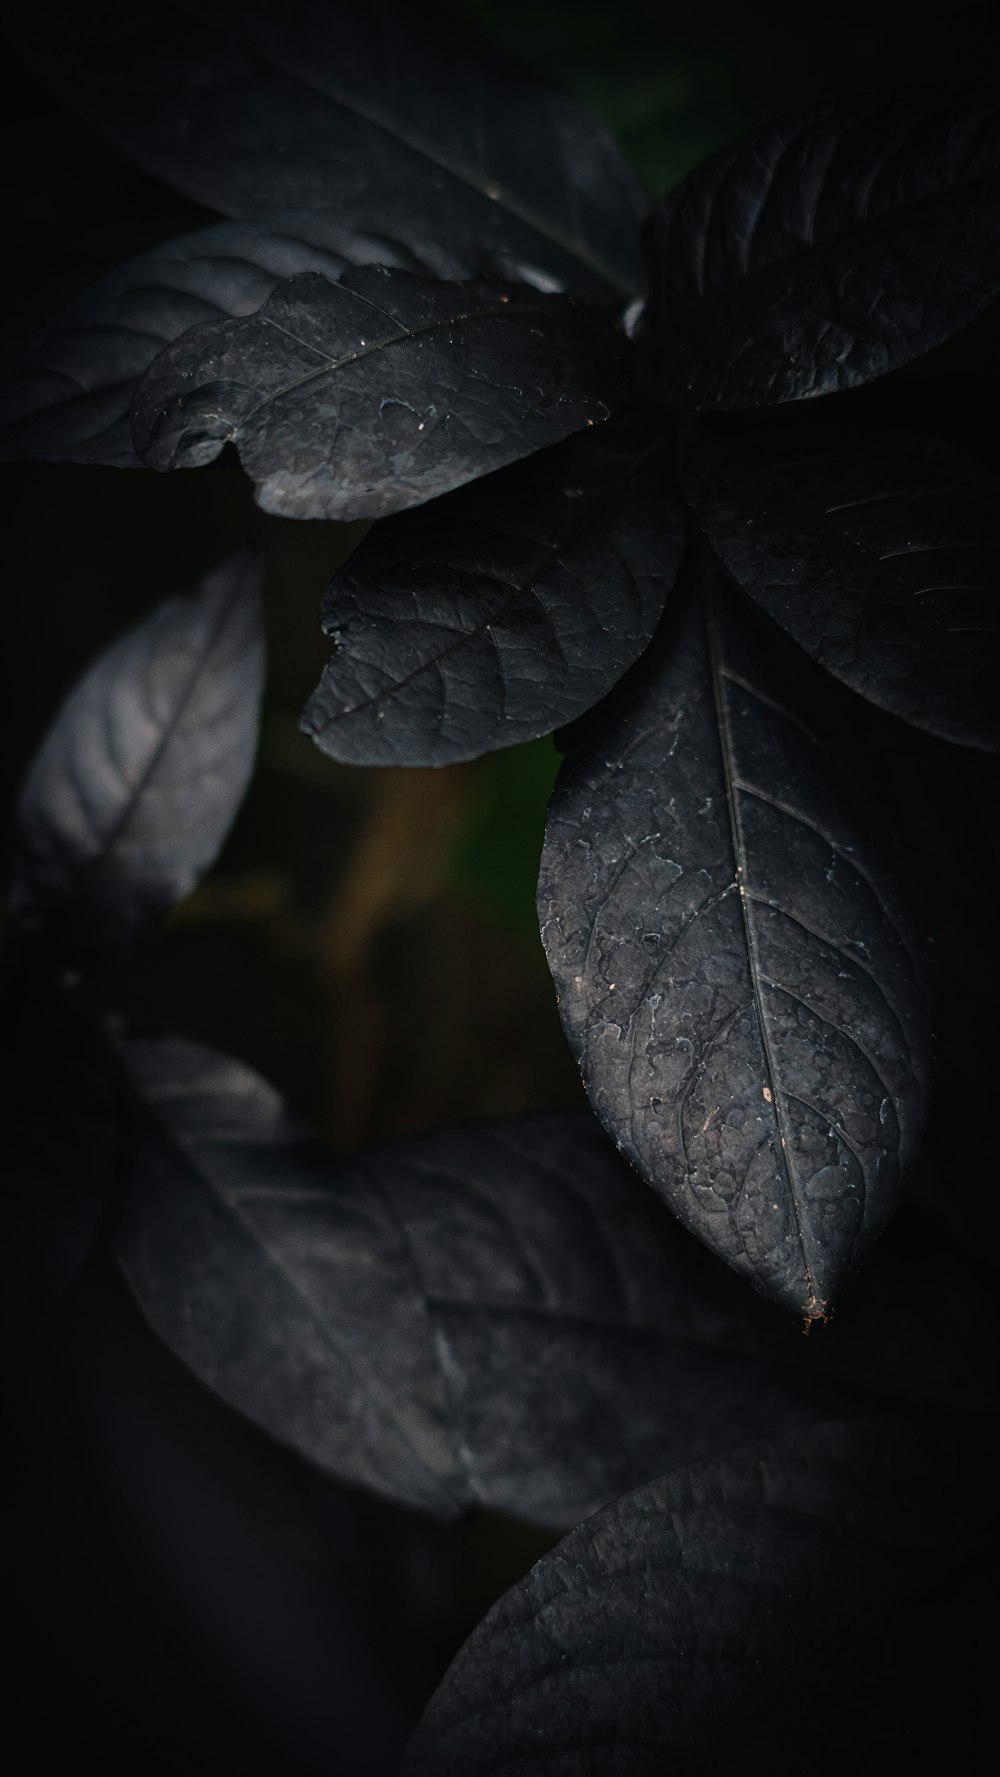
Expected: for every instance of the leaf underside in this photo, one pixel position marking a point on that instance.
(876, 551)
(503, 610)
(137, 782)
(359, 398)
(679, 1628)
(825, 249)
(68, 395)
(447, 1319)
(734, 976)
(395, 118)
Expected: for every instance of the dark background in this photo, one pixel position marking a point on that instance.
(184, 1594)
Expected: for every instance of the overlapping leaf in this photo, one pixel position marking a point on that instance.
(729, 962)
(69, 394)
(138, 781)
(663, 1632)
(500, 1316)
(393, 116)
(503, 610)
(875, 550)
(359, 398)
(825, 249)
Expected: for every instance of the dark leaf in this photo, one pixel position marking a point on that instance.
(449, 1319)
(657, 1632)
(395, 117)
(875, 550)
(827, 249)
(59, 1115)
(729, 960)
(68, 395)
(502, 610)
(137, 783)
(354, 399)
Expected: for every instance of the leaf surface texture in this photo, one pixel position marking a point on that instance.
(734, 973)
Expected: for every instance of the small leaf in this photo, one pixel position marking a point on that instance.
(728, 956)
(138, 781)
(656, 1634)
(69, 394)
(826, 249)
(502, 610)
(397, 119)
(875, 550)
(355, 399)
(446, 1320)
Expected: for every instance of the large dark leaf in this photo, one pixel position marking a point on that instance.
(395, 117)
(354, 399)
(500, 1315)
(826, 249)
(502, 611)
(728, 960)
(657, 1636)
(137, 783)
(876, 550)
(69, 393)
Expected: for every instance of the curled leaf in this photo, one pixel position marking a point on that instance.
(68, 395)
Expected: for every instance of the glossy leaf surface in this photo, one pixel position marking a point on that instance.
(69, 393)
(825, 249)
(136, 785)
(396, 118)
(729, 960)
(501, 1315)
(503, 610)
(876, 551)
(354, 399)
(658, 1634)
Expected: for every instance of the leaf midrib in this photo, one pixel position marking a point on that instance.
(330, 366)
(813, 1301)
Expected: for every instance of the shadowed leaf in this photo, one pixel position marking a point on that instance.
(136, 785)
(658, 1634)
(875, 550)
(69, 393)
(354, 399)
(826, 249)
(729, 962)
(396, 118)
(503, 610)
(500, 1315)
